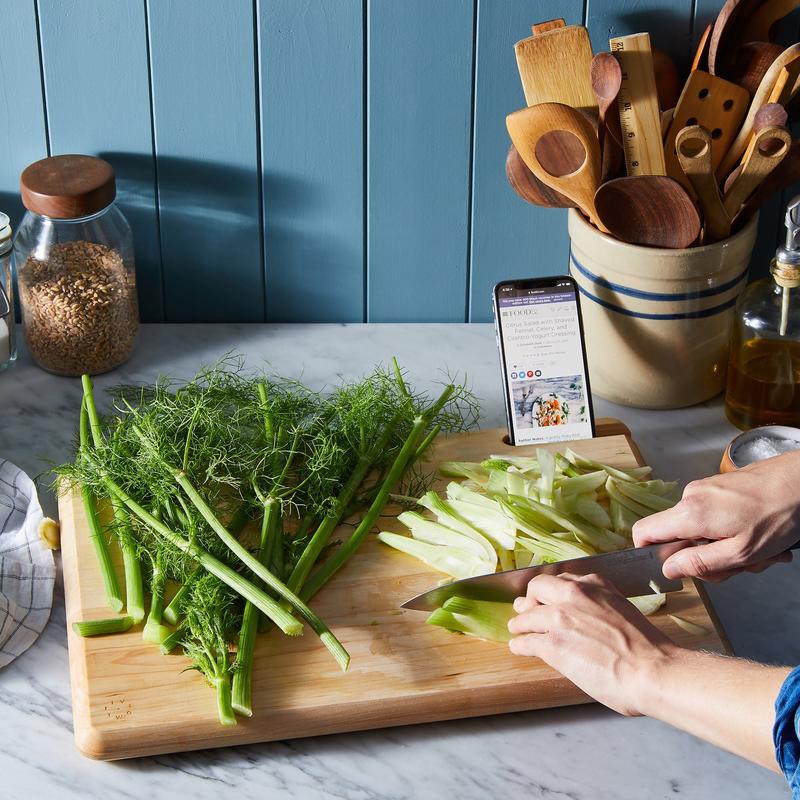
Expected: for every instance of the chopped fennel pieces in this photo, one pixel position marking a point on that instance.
(510, 511)
(487, 620)
(689, 626)
(479, 618)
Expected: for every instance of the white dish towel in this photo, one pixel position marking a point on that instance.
(27, 568)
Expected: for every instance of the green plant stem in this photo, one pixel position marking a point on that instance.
(100, 627)
(343, 554)
(173, 610)
(318, 542)
(154, 632)
(110, 582)
(171, 641)
(134, 589)
(249, 591)
(282, 618)
(404, 459)
(274, 583)
(91, 412)
(222, 684)
(242, 693)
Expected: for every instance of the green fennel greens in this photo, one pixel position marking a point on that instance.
(225, 493)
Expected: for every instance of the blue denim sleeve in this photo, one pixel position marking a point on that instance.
(786, 732)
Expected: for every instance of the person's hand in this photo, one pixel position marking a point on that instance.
(751, 517)
(584, 628)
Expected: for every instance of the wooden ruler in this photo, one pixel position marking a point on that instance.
(638, 106)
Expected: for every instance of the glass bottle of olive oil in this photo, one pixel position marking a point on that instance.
(764, 368)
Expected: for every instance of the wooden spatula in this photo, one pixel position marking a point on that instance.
(554, 67)
(693, 146)
(548, 25)
(528, 126)
(716, 104)
(771, 146)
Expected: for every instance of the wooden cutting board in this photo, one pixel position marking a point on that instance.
(129, 700)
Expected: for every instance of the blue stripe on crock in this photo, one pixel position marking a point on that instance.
(706, 312)
(642, 295)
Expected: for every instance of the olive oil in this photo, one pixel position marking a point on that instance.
(764, 383)
(764, 365)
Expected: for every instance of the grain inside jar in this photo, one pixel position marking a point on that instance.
(75, 267)
(81, 312)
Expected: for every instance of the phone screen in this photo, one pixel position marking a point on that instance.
(542, 357)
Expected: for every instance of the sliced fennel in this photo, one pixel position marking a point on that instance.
(648, 603)
(689, 626)
(509, 512)
(458, 562)
(479, 618)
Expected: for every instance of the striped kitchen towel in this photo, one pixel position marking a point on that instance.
(27, 569)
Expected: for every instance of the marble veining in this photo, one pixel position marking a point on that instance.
(582, 753)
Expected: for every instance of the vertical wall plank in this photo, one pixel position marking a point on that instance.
(419, 117)
(204, 103)
(98, 102)
(669, 23)
(23, 135)
(312, 155)
(510, 238)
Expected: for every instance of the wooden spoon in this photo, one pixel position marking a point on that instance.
(771, 146)
(768, 116)
(606, 80)
(750, 63)
(650, 210)
(775, 182)
(700, 60)
(763, 18)
(760, 98)
(668, 82)
(529, 187)
(726, 35)
(529, 125)
(693, 147)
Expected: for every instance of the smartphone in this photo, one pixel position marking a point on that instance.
(543, 360)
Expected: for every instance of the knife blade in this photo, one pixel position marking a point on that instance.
(631, 571)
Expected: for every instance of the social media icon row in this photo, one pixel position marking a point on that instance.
(526, 374)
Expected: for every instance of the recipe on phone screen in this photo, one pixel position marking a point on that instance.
(543, 365)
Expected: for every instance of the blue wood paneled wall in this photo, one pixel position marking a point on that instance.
(306, 160)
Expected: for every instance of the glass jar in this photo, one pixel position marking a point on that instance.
(764, 368)
(8, 348)
(75, 268)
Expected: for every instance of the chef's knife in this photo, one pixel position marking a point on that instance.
(631, 571)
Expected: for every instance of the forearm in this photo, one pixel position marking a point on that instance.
(726, 701)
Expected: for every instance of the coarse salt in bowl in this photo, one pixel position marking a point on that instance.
(759, 444)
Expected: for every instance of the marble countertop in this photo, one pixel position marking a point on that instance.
(581, 753)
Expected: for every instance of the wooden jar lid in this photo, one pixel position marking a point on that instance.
(67, 187)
